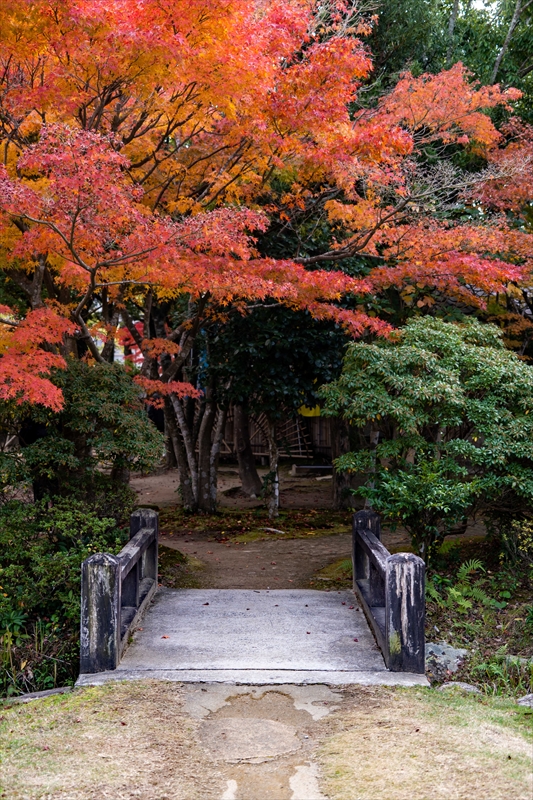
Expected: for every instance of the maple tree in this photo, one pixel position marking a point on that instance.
(147, 144)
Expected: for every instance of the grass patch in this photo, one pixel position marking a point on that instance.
(419, 744)
(120, 740)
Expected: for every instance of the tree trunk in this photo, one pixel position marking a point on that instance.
(215, 454)
(171, 461)
(205, 494)
(189, 448)
(342, 481)
(374, 441)
(197, 454)
(186, 486)
(271, 481)
(515, 19)
(250, 480)
(120, 474)
(451, 30)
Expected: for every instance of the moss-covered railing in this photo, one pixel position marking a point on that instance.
(391, 590)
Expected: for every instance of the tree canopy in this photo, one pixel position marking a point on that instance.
(148, 146)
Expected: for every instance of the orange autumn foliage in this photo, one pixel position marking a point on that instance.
(138, 137)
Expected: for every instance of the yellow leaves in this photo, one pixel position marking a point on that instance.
(55, 261)
(9, 236)
(184, 205)
(355, 216)
(513, 291)
(31, 125)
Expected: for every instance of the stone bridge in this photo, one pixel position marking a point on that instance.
(132, 629)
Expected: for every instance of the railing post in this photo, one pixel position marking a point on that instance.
(100, 613)
(363, 520)
(143, 518)
(367, 520)
(405, 612)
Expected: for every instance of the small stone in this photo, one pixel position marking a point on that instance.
(459, 686)
(526, 700)
(442, 659)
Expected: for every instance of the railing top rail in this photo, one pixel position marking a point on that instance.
(376, 551)
(133, 550)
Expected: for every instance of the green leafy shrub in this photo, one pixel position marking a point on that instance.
(42, 546)
(103, 428)
(446, 429)
(517, 542)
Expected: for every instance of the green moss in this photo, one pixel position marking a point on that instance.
(338, 575)
(178, 571)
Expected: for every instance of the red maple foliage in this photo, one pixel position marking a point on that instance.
(140, 135)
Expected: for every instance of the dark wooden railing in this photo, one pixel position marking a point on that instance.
(391, 589)
(115, 591)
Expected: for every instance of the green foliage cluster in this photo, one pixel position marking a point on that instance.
(103, 426)
(501, 673)
(450, 409)
(517, 543)
(42, 546)
(275, 359)
(479, 597)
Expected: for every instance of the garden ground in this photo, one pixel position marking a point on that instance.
(166, 741)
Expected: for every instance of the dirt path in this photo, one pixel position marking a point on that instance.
(268, 564)
(167, 741)
(275, 564)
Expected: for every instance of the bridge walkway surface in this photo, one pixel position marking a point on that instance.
(256, 637)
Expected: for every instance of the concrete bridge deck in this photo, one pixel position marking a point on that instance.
(246, 636)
